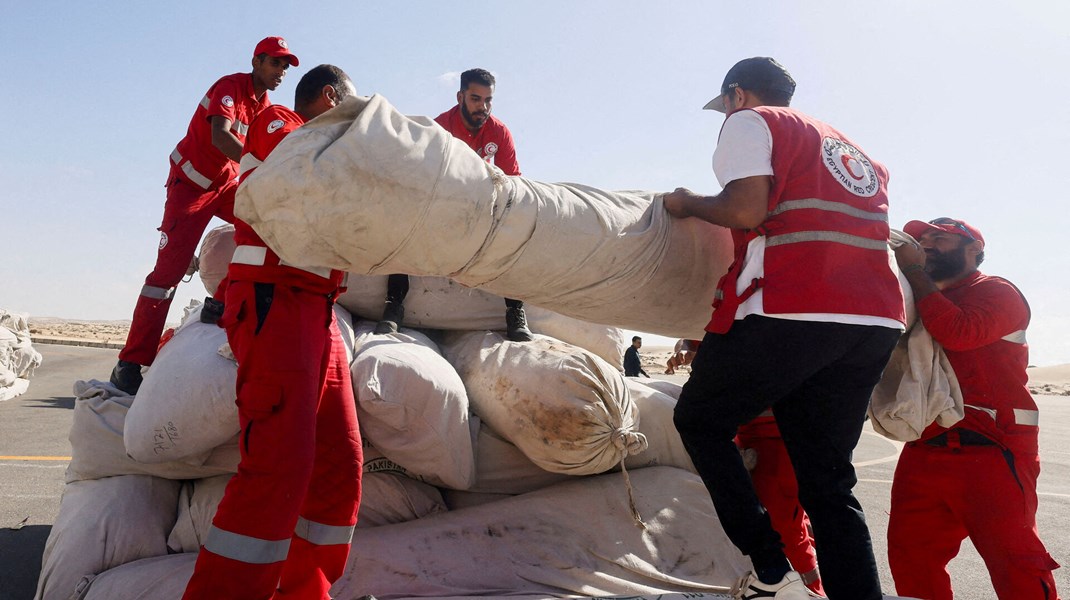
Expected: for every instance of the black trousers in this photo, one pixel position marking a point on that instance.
(817, 377)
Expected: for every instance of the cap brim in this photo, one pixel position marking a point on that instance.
(916, 229)
(294, 62)
(716, 104)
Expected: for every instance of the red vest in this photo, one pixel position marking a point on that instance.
(826, 229)
(253, 260)
(196, 157)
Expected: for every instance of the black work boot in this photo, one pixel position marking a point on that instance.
(211, 311)
(393, 315)
(517, 324)
(127, 377)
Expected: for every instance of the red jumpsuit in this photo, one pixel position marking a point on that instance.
(978, 479)
(774, 482)
(284, 526)
(200, 186)
(493, 142)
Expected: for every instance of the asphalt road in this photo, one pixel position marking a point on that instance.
(34, 429)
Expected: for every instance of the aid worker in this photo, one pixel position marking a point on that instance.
(201, 185)
(284, 526)
(977, 479)
(471, 122)
(803, 323)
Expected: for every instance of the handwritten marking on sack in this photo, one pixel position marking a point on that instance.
(165, 438)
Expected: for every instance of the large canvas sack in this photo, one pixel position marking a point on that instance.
(185, 405)
(575, 538)
(213, 259)
(157, 578)
(102, 524)
(365, 189)
(664, 446)
(412, 406)
(563, 407)
(97, 448)
(501, 468)
(388, 495)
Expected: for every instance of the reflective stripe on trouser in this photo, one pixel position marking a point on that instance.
(299, 477)
(942, 495)
(186, 215)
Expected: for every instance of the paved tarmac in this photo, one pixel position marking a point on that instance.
(34, 447)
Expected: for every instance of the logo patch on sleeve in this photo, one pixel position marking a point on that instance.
(227, 101)
(490, 149)
(275, 125)
(850, 167)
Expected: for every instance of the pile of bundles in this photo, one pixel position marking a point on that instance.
(18, 359)
(491, 467)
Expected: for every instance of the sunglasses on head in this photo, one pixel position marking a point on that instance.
(958, 224)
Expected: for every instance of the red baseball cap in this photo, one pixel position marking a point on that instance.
(276, 46)
(946, 224)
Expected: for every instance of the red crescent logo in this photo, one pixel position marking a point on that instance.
(853, 167)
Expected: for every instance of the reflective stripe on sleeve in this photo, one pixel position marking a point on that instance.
(159, 293)
(826, 236)
(839, 207)
(205, 101)
(323, 535)
(248, 163)
(246, 548)
(1027, 417)
(239, 128)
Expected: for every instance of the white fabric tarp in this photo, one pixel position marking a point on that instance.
(102, 524)
(368, 190)
(566, 409)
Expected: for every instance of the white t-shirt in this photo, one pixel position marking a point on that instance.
(745, 149)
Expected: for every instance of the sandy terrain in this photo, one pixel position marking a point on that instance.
(1052, 381)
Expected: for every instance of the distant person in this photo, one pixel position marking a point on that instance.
(201, 185)
(977, 479)
(471, 122)
(288, 515)
(803, 323)
(633, 366)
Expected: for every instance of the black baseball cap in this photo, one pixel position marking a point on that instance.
(758, 73)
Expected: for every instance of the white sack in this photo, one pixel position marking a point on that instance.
(501, 468)
(185, 405)
(664, 446)
(388, 496)
(18, 359)
(367, 190)
(576, 538)
(412, 406)
(566, 409)
(157, 578)
(97, 448)
(102, 524)
(213, 260)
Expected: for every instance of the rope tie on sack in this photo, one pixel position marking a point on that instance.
(629, 443)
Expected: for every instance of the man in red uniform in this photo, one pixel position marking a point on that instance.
(470, 121)
(284, 526)
(201, 185)
(977, 479)
(803, 323)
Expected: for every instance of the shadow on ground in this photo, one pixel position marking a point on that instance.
(53, 402)
(20, 560)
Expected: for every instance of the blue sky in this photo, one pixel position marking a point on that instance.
(963, 102)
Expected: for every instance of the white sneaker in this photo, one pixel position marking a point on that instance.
(790, 587)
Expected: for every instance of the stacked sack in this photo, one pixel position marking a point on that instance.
(18, 359)
(489, 469)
